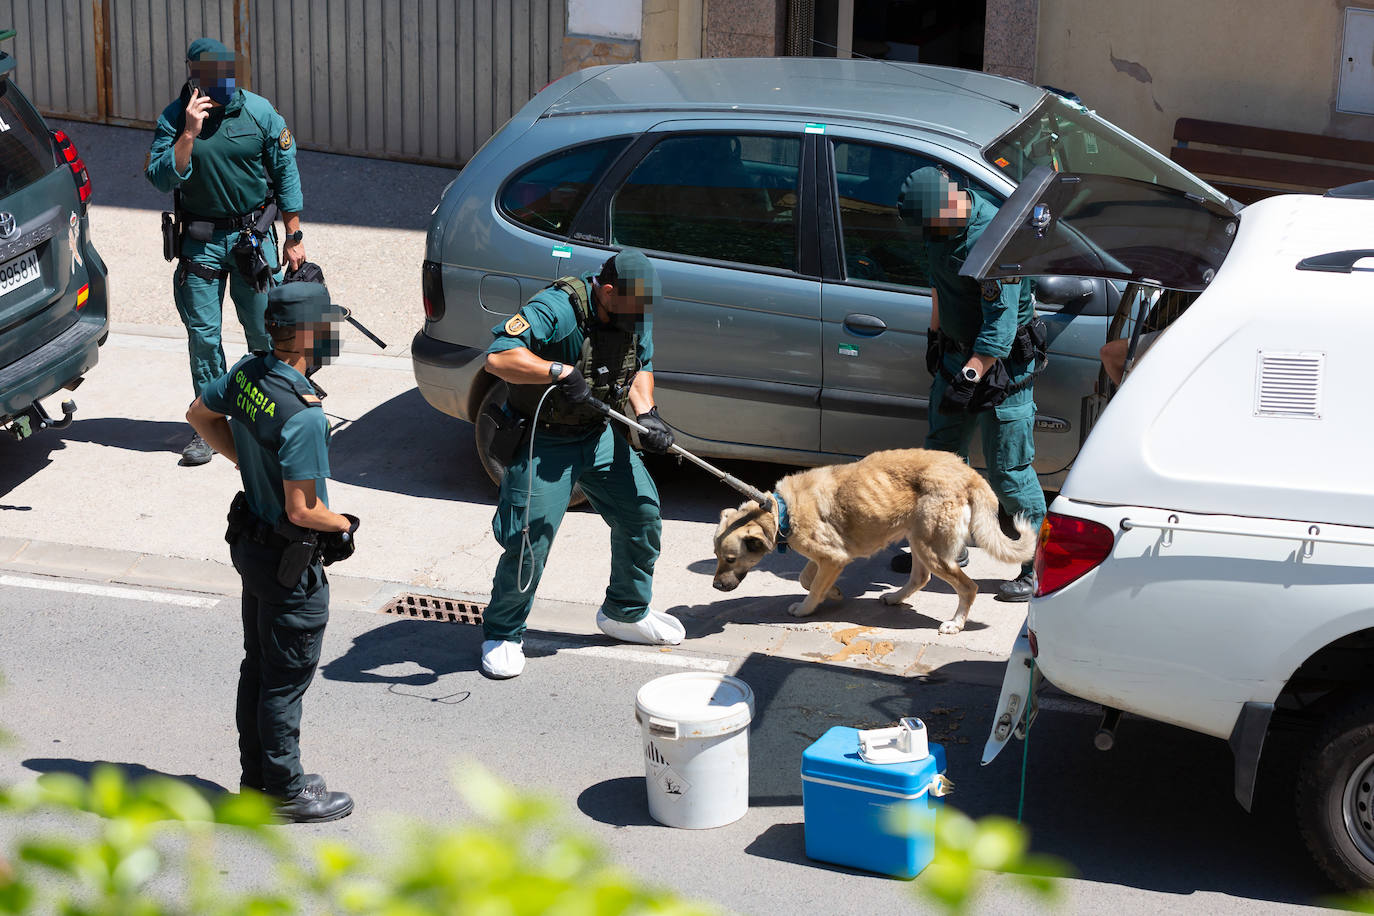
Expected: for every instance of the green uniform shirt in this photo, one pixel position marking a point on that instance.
(981, 316)
(277, 436)
(547, 326)
(241, 146)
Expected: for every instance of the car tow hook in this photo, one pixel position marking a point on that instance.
(35, 419)
(1106, 731)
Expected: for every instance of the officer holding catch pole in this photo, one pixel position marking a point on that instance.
(581, 341)
(265, 416)
(985, 348)
(230, 162)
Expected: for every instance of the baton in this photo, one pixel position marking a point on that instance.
(730, 480)
(359, 325)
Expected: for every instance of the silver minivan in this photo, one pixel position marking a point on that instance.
(795, 303)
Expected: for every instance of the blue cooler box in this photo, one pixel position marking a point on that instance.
(850, 806)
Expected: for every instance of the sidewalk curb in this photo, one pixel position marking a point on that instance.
(894, 653)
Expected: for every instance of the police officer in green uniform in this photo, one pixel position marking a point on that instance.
(980, 353)
(583, 337)
(265, 416)
(228, 154)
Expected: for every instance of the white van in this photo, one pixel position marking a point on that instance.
(1209, 561)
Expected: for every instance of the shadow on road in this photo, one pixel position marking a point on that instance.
(20, 461)
(1157, 812)
(132, 771)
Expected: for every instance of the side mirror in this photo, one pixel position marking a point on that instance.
(1062, 291)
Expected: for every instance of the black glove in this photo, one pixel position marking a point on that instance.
(656, 437)
(958, 395)
(933, 351)
(339, 545)
(574, 386)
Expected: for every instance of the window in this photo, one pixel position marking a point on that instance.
(878, 247)
(1069, 138)
(547, 195)
(726, 197)
(26, 150)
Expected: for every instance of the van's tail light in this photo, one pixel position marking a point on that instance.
(74, 162)
(432, 288)
(1069, 549)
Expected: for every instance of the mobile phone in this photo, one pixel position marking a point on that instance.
(193, 83)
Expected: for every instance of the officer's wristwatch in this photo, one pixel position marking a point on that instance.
(295, 236)
(555, 370)
(970, 373)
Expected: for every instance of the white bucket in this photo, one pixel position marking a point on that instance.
(696, 747)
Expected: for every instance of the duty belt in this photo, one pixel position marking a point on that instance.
(261, 533)
(220, 223)
(569, 430)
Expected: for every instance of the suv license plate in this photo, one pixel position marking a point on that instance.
(20, 271)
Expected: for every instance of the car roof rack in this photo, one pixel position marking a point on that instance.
(1338, 262)
(1360, 190)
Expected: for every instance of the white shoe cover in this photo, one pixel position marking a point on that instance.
(502, 659)
(654, 629)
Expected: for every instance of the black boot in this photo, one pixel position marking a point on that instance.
(1018, 589)
(314, 780)
(901, 562)
(314, 805)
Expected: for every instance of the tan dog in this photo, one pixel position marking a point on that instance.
(841, 512)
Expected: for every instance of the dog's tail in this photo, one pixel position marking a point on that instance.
(988, 532)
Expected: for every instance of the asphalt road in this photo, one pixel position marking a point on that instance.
(1150, 827)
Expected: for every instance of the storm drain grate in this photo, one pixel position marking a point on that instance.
(434, 607)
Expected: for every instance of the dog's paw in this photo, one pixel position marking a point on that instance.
(835, 594)
(892, 598)
(799, 610)
(950, 627)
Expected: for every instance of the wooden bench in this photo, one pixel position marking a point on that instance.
(1247, 162)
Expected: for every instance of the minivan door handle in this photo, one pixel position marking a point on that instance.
(864, 325)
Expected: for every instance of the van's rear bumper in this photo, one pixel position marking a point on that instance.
(446, 374)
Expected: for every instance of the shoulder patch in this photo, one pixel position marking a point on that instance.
(517, 325)
(284, 141)
(991, 292)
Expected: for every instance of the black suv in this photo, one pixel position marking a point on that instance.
(53, 290)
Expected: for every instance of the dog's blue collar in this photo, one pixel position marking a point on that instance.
(784, 523)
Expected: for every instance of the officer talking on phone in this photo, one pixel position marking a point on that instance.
(230, 161)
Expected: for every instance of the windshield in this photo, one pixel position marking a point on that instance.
(1068, 138)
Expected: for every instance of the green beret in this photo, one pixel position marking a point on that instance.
(297, 303)
(208, 49)
(923, 193)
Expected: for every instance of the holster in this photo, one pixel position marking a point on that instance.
(1031, 343)
(302, 545)
(240, 517)
(508, 432)
(169, 236)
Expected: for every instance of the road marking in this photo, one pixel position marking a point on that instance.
(625, 653)
(110, 591)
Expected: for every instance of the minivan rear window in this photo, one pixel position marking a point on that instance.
(547, 195)
(26, 152)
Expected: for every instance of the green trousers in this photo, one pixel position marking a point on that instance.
(200, 303)
(618, 487)
(283, 630)
(1008, 444)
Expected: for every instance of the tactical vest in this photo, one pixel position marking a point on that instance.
(609, 361)
(263, 402)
